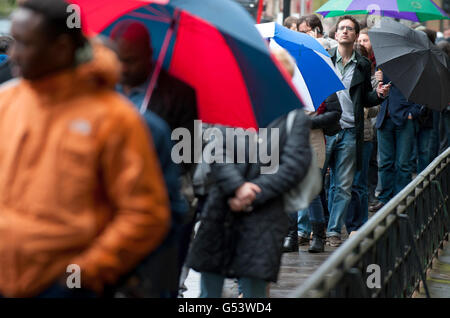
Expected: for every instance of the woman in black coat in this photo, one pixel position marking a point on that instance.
(247, 245)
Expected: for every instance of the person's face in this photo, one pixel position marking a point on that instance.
(304, 28)
(293, 27)
(33, 53)
(364, 40)
(447, 33)
(136, 62)
(346, 32)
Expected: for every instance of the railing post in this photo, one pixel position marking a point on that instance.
(416, 251)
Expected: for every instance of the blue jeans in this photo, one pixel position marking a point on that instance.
(424, 152)
(395, 144)
(341, 158)
(361, 180)
(303, 223)
(313, 214)
(211, 286)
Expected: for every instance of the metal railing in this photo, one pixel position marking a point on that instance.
(401, 239)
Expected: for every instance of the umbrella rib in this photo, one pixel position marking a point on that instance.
(149, 17)
(155, 11)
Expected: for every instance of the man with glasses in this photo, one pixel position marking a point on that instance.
(344, 150)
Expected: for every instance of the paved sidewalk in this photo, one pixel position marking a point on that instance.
(438, 278)
(295, 269)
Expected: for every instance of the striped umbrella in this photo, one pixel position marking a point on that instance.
(315, 76)
(213, 46)
(413, 10)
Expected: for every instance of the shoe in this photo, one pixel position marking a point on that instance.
(290, 244)
(302, 241)
(334, 241)
(318, 240)
(376, 207)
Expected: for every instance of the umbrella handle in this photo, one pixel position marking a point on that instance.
(159, 62)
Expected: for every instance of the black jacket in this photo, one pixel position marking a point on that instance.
(362, 95)
(175, 101)
(248, 244)
(328, 121)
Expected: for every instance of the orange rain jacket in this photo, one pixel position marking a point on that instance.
(79, 183)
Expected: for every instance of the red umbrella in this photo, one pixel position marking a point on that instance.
(217, 50)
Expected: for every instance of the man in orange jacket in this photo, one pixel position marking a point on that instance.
(79, 183)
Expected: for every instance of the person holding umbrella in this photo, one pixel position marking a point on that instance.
(420, 75)
(344, 150)
(157, 275)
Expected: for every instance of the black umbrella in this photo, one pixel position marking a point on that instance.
(419, 69)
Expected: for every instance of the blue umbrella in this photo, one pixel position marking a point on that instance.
(317, 78)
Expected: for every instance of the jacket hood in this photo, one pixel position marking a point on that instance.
(100, 72)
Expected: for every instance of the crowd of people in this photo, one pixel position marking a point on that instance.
(87, 180)
(384, 140)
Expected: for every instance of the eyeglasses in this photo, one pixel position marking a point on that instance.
(349, 28)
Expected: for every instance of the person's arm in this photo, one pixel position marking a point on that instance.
(416, 110)
(134, 185)
(295, 159)
(372, 98)
(331, 116)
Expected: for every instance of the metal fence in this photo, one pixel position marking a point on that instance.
(400, 241)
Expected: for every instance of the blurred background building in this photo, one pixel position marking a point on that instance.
(273, 11)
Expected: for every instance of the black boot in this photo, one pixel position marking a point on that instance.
(318, 241)
(290, 243)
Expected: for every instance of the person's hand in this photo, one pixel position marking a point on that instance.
(236, 205)
(379, 75)
(247, 192)
(312, 33)
(383, 90)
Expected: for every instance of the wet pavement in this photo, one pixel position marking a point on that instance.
(438, 277)
(296, 267)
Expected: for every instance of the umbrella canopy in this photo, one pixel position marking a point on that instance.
(215, 48)
(315, 77)
(416, 66)
(413, 10)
